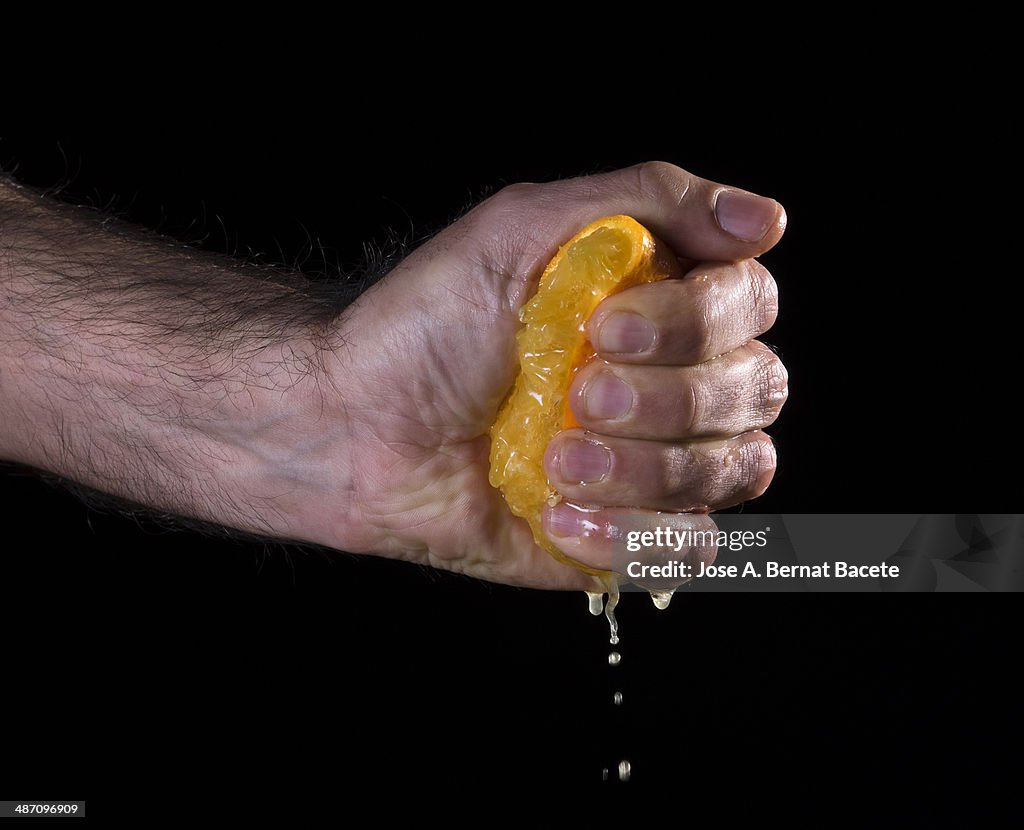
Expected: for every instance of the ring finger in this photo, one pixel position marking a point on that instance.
(626, 472)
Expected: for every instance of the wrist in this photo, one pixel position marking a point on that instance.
(285, 443)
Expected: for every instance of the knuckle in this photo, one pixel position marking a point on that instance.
(662, 181)
(695, 399)
(743, 471)
(756, 466)
(763, 295)
(771, 383)
(700, 334)
(513, 195)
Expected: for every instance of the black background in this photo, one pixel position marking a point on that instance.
(200, 664)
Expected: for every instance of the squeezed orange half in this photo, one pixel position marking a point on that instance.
(606, 257)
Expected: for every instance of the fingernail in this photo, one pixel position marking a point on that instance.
(584, 461)
(744, 215)
(626, 333)
(607, 397)
(566, 520)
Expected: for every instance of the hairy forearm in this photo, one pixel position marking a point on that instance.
(240, 395)
(155, 372)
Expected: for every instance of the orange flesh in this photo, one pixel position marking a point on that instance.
(607, 256)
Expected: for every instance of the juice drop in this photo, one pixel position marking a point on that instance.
(661, 599)
(597, 602)
(614, 658)
(617, 698)
(624, 770)
(612, 583)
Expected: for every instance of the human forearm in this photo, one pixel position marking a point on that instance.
(155, 372)
(205, 387)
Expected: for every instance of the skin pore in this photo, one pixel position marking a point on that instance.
(252, 398)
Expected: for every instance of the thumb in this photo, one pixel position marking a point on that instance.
(522, 225)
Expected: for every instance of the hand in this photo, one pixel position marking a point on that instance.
(201, 387)
(424, 359)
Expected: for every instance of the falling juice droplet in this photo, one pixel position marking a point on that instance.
(661, 599)
(604, 774)
(612, 583)
(596, 603)
(614, 658)
(624, 770)
(617, 698)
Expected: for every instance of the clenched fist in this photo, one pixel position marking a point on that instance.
(196, 385)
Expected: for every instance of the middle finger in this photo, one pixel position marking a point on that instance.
(738, 392)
